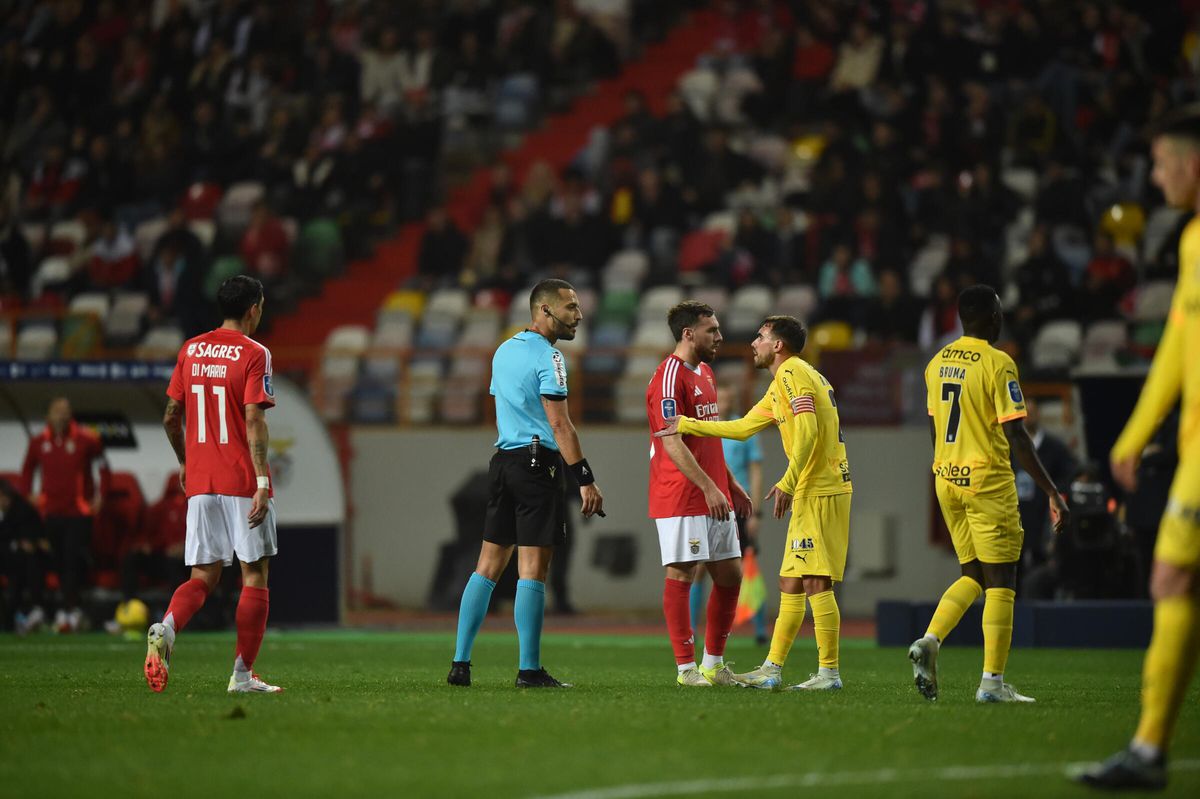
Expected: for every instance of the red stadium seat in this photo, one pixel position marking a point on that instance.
(200, 201)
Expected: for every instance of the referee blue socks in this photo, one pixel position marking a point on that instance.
(529, 611)
(475, 599)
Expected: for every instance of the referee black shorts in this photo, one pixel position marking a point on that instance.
(527, 503)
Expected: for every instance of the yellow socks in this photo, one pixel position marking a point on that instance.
(997, 628)
(958, 597)
(787, 627)
(827, 627)
(1170, 662)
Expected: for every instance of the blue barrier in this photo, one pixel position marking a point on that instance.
(1089, 623)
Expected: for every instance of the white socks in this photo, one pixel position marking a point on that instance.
(712, 661)
(691, 664)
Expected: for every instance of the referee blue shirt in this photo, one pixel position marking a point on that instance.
(524, 369)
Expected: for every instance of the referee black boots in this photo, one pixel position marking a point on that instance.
(538, 678)
(460, 673)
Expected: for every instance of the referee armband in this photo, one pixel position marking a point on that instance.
(583, 472)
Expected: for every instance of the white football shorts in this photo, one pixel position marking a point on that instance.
(684, 539)
(217, 529)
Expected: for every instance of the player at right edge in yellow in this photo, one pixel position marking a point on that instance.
(1174, 376)
(976, 414)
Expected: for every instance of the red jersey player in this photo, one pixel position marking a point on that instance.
(222, 387)
(692, 496)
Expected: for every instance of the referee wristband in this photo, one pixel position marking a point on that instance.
(264, 482)
(583, 473)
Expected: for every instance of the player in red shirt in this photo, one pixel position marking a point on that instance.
(222, 387)
(693, 496)
(63, 452)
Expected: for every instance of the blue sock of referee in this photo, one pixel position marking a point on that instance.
(528, 612)
(471, 611)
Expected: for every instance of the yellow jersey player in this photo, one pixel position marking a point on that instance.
(976, 414)
(800, 402)
(1174, 376)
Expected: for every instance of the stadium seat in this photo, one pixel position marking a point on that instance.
(715, 297)
(1101, 344)
(95, 303)
(372, 402)
(147, 234)
(319, 252)
(832, 335)
(452, 303)
(1159, 226)
(625, 271)
(67, 236)
(381, 366)
(927, 264)
(200, 201)
(347, 339)
(755, 299)
(394, 332)
(413, 302)
(437, 332)
(205, 230)
(657, 301)
(221, 270)
(642, 366)
(606, 353)
(721, 222)
(479, 334)
(653, 336)
(516, 101)
(233, 212)
(797, 300)
(618, 306)
(79, 336)
(36, 342)
(54, 270)
(1153, 301)
(699, 88)
(1056, 345)
(35, 234)
(1021, 180)
(123, 325)
(160, 343)
(770, 151)
(630, 400)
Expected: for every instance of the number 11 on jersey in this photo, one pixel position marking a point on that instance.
(201, 428)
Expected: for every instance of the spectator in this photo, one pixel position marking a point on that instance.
(265, 245)
(1061, 465)
(53, 185)
(174, 276)
(939, 321)
(383, 73)
(114, 261)
(892, 315)
(1109, 276)
(812, 59)
(248, 92)
(24, 553)
(443, 249)
(845, 285)
(16, 258)
(857, 60)
(63, 455)
(1044, 287)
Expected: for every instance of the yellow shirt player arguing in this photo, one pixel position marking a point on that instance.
(976, 414)
(1174, 376)
(801, 404)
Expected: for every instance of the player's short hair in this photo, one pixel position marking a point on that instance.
(686, 314)
(547, 290)
(237, 295)
(976, 303)
(789, 330)
(1182, 123)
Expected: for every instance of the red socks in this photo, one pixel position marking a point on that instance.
(722, 607)
(251, 623)
(679, 622)
(188, 598)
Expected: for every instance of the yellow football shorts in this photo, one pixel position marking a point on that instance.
(818, 536)
(984, 526)
(1179, 531)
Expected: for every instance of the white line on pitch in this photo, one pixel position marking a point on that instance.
(817, 778)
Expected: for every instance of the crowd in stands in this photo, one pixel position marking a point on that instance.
(145, 146)
(884, 153)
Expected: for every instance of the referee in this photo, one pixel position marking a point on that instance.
(527, 502)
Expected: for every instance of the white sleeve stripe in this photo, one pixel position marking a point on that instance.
(266, 354)
(669, 374)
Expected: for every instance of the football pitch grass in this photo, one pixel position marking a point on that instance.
(369, 714)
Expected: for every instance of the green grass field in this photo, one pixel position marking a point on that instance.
(369, 714)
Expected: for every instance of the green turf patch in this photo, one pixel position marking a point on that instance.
(369, 714)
